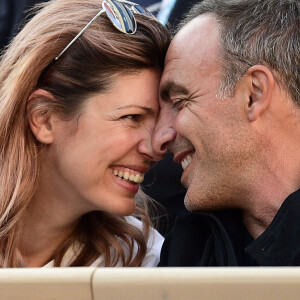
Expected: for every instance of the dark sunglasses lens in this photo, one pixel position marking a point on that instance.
(141, 10)
(121, 17)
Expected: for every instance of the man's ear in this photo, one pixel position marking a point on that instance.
(40, 118)
(260, 82)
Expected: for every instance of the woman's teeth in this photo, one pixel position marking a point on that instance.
(136, 178)
(186, 161)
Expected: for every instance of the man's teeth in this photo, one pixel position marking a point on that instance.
(137, 178)
(185, 162)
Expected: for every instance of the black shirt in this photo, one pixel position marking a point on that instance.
(221, 239)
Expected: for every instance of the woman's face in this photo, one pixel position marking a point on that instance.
(100, 165)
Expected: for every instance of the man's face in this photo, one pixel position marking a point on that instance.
(206, 134)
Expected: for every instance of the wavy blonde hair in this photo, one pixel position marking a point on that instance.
(89, 66)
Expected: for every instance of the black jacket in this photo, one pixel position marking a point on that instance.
(221, 239)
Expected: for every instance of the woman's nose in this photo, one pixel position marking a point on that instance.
(145, 147)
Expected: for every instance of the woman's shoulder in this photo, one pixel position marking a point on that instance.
(154, 243)
(151, 259)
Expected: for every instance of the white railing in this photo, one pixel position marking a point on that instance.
(257, 283)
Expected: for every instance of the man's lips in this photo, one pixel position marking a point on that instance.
(178, 158)
(184, 158)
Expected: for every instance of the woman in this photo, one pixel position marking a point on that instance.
(77, 109)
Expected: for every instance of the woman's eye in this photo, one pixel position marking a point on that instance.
(134, 117)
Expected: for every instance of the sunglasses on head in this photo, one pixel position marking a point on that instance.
(120, 13)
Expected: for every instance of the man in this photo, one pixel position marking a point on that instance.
(230, 115)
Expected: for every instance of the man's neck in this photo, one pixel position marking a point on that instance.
(256, 226)
(260, 217)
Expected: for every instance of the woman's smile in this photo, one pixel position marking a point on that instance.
(128, 178)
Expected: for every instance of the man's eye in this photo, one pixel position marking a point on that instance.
(179, 104)
(134, 117)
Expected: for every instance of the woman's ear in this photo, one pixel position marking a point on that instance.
(261, 85)
(40, 118)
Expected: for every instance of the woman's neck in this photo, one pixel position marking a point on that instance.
(45, 228)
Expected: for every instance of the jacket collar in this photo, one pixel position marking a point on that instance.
(279, 245)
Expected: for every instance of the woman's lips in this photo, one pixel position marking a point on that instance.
(128, 177)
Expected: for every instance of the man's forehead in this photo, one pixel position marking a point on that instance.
(179, 47)
(193, 53)
(199, 32)
(194, 47)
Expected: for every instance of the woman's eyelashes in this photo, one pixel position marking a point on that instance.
(134, 118)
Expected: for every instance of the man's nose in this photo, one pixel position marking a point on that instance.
(163, 133)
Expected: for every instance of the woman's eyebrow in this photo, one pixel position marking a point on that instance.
(147, 109)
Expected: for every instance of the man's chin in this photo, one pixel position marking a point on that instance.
(195, 199)
(189, 203)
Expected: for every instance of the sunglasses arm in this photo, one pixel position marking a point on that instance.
(79, 34)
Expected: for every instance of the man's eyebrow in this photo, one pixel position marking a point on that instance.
(172, 87)
(148, 110)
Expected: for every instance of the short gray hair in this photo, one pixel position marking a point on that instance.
(265, 32)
